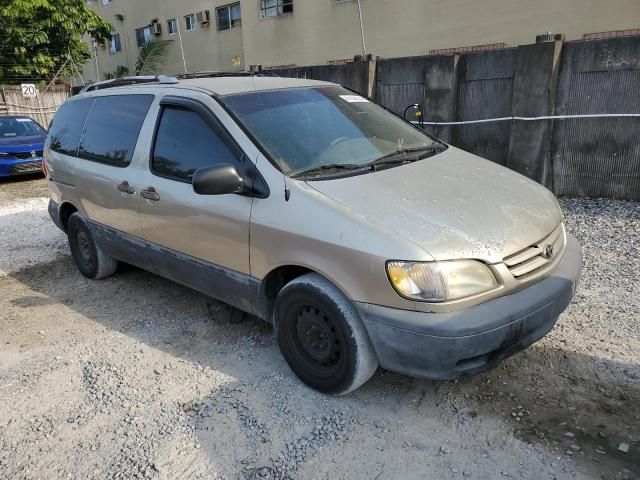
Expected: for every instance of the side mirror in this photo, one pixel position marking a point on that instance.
(217, 180)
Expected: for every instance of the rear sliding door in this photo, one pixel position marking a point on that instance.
(105, 176)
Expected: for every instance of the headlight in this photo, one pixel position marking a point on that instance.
(440, 281)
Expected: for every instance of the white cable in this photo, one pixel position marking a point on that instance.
(534, 119)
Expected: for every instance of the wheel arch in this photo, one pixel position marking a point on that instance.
(273, 282)
(64, 213)
(277, 278)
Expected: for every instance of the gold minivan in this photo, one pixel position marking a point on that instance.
(362, 239)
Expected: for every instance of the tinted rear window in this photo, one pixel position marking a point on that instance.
(112, 128)
(66, 128)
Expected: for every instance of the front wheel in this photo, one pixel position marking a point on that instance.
(321, 336)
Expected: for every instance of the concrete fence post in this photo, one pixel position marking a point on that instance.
(441, 94)
(534, 92)
(371, 76)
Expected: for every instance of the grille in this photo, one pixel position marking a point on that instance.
(26, 168)
(536, 257)
(26, 155)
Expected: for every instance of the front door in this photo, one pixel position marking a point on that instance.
(198, 240)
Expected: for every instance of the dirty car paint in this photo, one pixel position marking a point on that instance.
(454, 205)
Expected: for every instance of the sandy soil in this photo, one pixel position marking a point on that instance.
(137, 377)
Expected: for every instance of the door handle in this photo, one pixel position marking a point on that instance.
(150, 194)
(124, 187)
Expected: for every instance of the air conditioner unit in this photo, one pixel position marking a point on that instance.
(156, 28)
(203, 17)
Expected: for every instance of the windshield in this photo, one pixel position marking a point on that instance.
(19, 127)
(304, 129)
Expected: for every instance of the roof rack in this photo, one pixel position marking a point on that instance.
(122, 81)
(212, 74)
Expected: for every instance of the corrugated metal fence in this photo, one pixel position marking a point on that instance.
(574, 157)
(598, 157)
(41, 107)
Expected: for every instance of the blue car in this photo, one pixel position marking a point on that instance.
(21, 145)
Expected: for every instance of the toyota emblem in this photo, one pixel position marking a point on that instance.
(33, 154)
(547, 251)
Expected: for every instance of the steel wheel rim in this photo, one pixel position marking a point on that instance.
(316, 341)
(84, 248)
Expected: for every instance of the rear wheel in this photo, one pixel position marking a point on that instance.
(322, 337)
(88, 256)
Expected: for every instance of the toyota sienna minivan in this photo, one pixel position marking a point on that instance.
(365, 241)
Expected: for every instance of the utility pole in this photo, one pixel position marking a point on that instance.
(364, 44)
(184, 62)
(95, 56)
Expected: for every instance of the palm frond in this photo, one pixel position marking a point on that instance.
(152, 57)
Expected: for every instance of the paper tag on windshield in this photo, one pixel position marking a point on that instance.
(354, 99)
(23, 120)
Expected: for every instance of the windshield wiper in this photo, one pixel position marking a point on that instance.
(326, 169)
(404, 156)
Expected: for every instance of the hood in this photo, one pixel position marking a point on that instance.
(22, 144)
(454, 205)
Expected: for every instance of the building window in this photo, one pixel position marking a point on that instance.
(172, 26)
(116, 46)
(274, 8)
(229, 16)
(190, 22)
(143, 35)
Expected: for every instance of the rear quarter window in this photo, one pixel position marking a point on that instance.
(112, 128)
(66, 128)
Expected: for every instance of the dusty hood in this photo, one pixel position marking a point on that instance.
(454, 205)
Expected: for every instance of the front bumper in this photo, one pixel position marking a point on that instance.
(457, 344)
(11, 167)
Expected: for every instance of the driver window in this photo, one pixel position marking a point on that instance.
(184, 143)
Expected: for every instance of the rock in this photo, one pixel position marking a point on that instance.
(623, 447)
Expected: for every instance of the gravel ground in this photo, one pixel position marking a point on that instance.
(137, 377)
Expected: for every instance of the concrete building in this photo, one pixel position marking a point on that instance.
(226, 35)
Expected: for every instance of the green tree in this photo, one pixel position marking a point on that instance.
(152, 57)
(120, 71)
(39, 38)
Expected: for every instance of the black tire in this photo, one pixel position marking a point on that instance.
(89, 257)
(321, 336)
